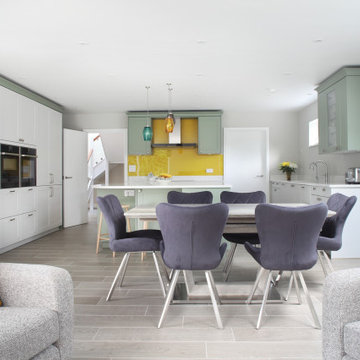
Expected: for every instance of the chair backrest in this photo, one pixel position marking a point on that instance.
(201, 197)
(289, 235)
(334, 225)
(114, 216)
(192, 235)
(256, 197)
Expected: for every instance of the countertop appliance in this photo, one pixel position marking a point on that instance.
(352, 176)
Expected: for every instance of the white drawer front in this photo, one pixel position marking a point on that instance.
(28, 225)
(27, 200)
(9, 231)
(9, 200)
(321, 190)
(316, 199)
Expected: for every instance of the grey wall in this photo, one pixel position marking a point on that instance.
(337, 163)
(95, 121)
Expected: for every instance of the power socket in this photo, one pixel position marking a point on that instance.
(209, 171)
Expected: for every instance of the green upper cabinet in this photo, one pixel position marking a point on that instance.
(209, 134)
(339, 111)
(136, 143)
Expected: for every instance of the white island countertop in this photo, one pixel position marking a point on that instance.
(171, 185)
(305, 182)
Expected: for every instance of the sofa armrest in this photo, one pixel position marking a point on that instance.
(23, 285)
(341, 305)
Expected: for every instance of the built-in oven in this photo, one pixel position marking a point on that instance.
(10, 166)
(27, 167)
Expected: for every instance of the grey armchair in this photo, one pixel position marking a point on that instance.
(341, 315)
(36, 321)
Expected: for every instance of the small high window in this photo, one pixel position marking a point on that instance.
(314, 132)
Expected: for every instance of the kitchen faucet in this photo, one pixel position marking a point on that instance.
(315, 165)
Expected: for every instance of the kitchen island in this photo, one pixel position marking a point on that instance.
(142, 193)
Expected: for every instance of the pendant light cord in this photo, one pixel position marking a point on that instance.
(169, 96)
(147, 104)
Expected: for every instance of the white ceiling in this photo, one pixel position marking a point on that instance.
(235, 55)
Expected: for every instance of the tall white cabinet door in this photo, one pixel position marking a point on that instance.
(42, 141)
(55, 206)
(55, 146)
(26, 120)
(43, 194)
(8, 115)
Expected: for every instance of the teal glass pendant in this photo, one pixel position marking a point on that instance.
(147, 133)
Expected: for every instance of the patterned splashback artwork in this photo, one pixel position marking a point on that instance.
(177, 161)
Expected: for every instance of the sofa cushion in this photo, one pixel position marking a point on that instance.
(352, 339)
(26, 332)
(51, 353)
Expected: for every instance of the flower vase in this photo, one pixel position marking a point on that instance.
(288, 175)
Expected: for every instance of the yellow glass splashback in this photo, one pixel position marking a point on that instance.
(179, 161)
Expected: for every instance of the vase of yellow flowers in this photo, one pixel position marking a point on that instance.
(288, 167)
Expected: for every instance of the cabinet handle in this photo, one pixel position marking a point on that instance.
(292, 185)
(22, 140)
(13, 219)
(260, 176)
(12, 191)
(303, 187)
(68, 177)
(323, 189)
(30, 189)
(30, 215)
(318, 199)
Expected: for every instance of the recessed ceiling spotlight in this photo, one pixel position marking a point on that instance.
(271, 90)
(287, 73)
(201, 41)
(199, 74)
(310, 94)
(318, 40)
(83, 43)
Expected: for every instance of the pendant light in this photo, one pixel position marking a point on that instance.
(170, 120)
(147, 132)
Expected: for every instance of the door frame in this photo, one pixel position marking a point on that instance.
(267, 149)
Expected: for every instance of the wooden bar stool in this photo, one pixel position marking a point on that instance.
(105, 236)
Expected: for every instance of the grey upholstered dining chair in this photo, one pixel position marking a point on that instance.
(201, 197)
(192, 237)
(330, 238)
(127, 242)
(288, 238)
(229, 197)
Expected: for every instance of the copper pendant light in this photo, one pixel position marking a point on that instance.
(169, 120)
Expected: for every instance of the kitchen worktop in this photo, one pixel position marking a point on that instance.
(305, 182)
(170, 185)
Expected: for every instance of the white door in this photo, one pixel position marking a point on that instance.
(246, 159)
(75, 178)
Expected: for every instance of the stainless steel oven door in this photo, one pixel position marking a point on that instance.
(10, 165)
(28, 167)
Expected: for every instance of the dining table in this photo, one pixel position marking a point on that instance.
(241, 219)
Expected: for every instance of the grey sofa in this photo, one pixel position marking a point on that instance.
(36, 321)
(341, 316)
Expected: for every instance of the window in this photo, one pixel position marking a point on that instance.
(314, 132)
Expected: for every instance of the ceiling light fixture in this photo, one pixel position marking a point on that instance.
(170, 120)
(147, 132)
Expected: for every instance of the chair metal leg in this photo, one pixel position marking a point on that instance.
(320, 255)
(308, 300)
(213, 299)
(278, 277)
(263, 304)
(169, 297)
(229, 261)
(121, 267)
(218, 300)
(328, 261)
(124, 271)
(159, 274)
(99, 233)
(297, 289)
(258, 277)
(290, 287)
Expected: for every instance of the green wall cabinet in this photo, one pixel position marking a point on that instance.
(209, 134)
(339, 111)
(136, 143)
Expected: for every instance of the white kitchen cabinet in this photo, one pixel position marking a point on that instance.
(27, 225)
(26, 120)
(9, 231)
(48, 136)
(27, 200)
(9, 200)
(49, 205)
(8, 115)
